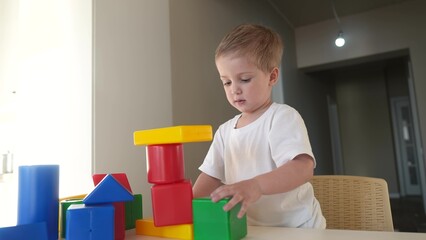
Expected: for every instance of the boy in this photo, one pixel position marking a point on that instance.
(262, 157)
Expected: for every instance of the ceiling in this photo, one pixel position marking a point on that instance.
(305, 12)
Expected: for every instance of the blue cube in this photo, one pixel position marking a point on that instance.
(90, 222)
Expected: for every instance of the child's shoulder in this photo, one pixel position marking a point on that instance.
(281, 112)
(282, 108)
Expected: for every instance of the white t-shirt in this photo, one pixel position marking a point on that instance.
(273, 139)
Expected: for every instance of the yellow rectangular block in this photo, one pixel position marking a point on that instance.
(147, 227)
(81, 196)
(176, 134)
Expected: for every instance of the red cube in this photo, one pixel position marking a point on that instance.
(172, 203)
(165, 163)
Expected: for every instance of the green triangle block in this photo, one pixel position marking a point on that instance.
(109, 190)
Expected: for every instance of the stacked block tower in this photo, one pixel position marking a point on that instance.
(175, 213)
(171, 193)
(125, 213)
(101, 216)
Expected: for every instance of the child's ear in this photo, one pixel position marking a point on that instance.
(273, 77)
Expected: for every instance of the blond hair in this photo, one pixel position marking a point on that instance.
(260, 44)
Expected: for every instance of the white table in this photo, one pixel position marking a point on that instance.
(270, 233)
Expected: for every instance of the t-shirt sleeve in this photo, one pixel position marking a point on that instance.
(288, 136)
(213, 164)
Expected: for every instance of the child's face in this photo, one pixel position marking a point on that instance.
(247, 88)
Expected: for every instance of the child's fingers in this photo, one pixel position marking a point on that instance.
(220, 192)
(234, 201)
(242, 211)
(238, 193)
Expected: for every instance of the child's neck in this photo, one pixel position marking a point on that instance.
(248, 117)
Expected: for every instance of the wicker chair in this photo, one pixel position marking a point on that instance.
(353, 202)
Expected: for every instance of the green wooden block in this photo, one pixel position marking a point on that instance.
(65, 204)
(211, 222)
(133, 211)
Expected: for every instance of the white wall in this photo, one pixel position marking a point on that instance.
(396, 27)
(132, 84)
(53, 74)
(45, 52)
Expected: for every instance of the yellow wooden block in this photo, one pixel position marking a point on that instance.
(176, 134)
(147, 227)
(81, 196)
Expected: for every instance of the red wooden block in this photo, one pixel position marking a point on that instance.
(119, 220)
(172, 203)
(165, 163)
(120, 177)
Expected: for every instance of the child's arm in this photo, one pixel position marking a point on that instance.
(282, 179)
(205, 185)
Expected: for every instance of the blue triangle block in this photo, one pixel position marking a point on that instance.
(109, 190)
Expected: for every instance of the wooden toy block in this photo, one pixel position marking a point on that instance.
(90, 222)
(74, 197)
(120, 177)
(65, 204)
(211, 222)
(133, 211)
(38, 195)
(175, 134)
(165, 163)
(62, 215)
(119, 207)
(147, 227)
(25, 231)
(172, 203)
(119, 220)
(108, 190)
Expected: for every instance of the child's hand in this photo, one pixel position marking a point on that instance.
(246, 192)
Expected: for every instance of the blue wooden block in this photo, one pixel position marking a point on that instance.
(65, 204)
(26, 231)
(109, 190)
(38, 196)
(90, 222)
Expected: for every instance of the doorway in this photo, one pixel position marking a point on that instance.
(363, 121)
(373, 132)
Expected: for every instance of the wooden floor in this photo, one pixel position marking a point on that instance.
(408, 214)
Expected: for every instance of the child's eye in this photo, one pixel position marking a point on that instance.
(246, 80)
(226, 83)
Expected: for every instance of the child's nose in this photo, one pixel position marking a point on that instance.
(235, 89)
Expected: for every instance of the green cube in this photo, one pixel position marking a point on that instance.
(133, 211)
(65, 204)
(212, 222)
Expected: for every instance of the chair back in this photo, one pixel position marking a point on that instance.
(354, 202)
